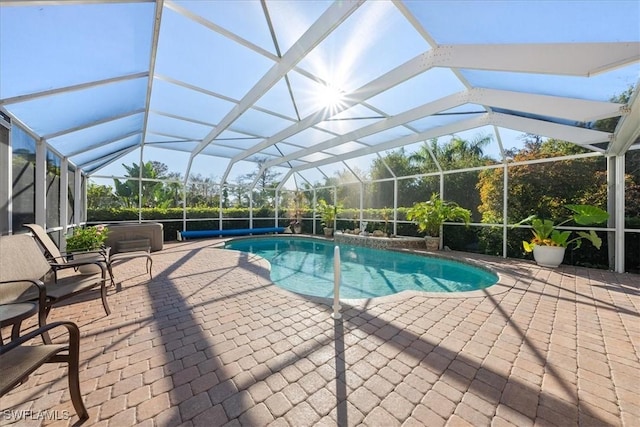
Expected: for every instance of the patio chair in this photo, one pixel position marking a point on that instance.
(19, 360)
(60, 260)
(125, 250)
(23, 267)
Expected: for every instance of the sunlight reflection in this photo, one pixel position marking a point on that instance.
(334, 60)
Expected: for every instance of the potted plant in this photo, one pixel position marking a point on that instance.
(297, 207)
(327, 214)
(430, 215)
(88, 242)
(548, 244)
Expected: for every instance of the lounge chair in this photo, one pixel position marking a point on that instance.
(19, 360)
(124, 250)
(60, 260)
(23, 266)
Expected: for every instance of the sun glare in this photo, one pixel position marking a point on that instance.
(329, 96)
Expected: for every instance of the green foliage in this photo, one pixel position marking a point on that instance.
(101, 195)
(546, 234)
(327, 213)
(87, 238)
(609, 124)
(154, 193)
(543, 188)
(266, 179)
(430, 215)
(297, 204)
(381, 193)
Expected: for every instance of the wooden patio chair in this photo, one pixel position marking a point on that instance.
(19, 360)
(60, 260)
(23, 267)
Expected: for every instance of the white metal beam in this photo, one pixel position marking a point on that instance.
(568, 108)
(116, 157)
(78, 198)
(82, 86)
(321, 28)
(405, 140)
(64, 194)
(218, 29)
(445, 103)
(504, 99)
(164, 78)
(64, 2)
(182, 118)
(628, 128)
(581, 110)
(152, 66)
(531, 58)
(86, 148)
(95, 123)
(409, 69)
(577, 135)
(571, 59)
(619, 212)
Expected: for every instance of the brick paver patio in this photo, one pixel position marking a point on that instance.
(210, 341)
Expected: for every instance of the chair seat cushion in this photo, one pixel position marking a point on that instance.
(21, 361)
(72, 284)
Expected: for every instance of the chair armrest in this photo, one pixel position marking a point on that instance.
(104, 253)
(101, 251)
(78, 262)
(74, 336)
(42, 290)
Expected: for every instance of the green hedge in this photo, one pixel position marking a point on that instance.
(487, 240)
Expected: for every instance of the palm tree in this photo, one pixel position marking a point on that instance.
(456, 153)
(422, 158)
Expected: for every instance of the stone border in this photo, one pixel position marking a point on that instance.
(400, 242)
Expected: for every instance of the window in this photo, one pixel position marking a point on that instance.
(23, 176)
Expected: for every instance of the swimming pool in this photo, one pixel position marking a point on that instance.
(305, 266)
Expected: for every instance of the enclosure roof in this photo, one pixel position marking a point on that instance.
(303, 84)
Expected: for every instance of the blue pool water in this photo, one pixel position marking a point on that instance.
(305, 266)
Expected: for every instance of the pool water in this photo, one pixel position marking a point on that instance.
(305, 266)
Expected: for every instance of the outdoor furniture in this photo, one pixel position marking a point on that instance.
(14, 314)
(120, 250)
(130, 249)
(23, 266)
(19, 360)
(60, 260)
(153, 231)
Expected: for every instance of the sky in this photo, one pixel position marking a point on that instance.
(85, 43)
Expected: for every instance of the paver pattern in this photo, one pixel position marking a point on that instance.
(210, 341)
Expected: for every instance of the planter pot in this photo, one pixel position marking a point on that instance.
(297, 228)
(328, 232)
(433, 243)
(548, 256)
(89, 268)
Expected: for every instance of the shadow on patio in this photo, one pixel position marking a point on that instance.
(209, 341)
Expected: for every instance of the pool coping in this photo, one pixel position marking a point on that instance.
(504, 283)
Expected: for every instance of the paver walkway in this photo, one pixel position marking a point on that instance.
(210, 341)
